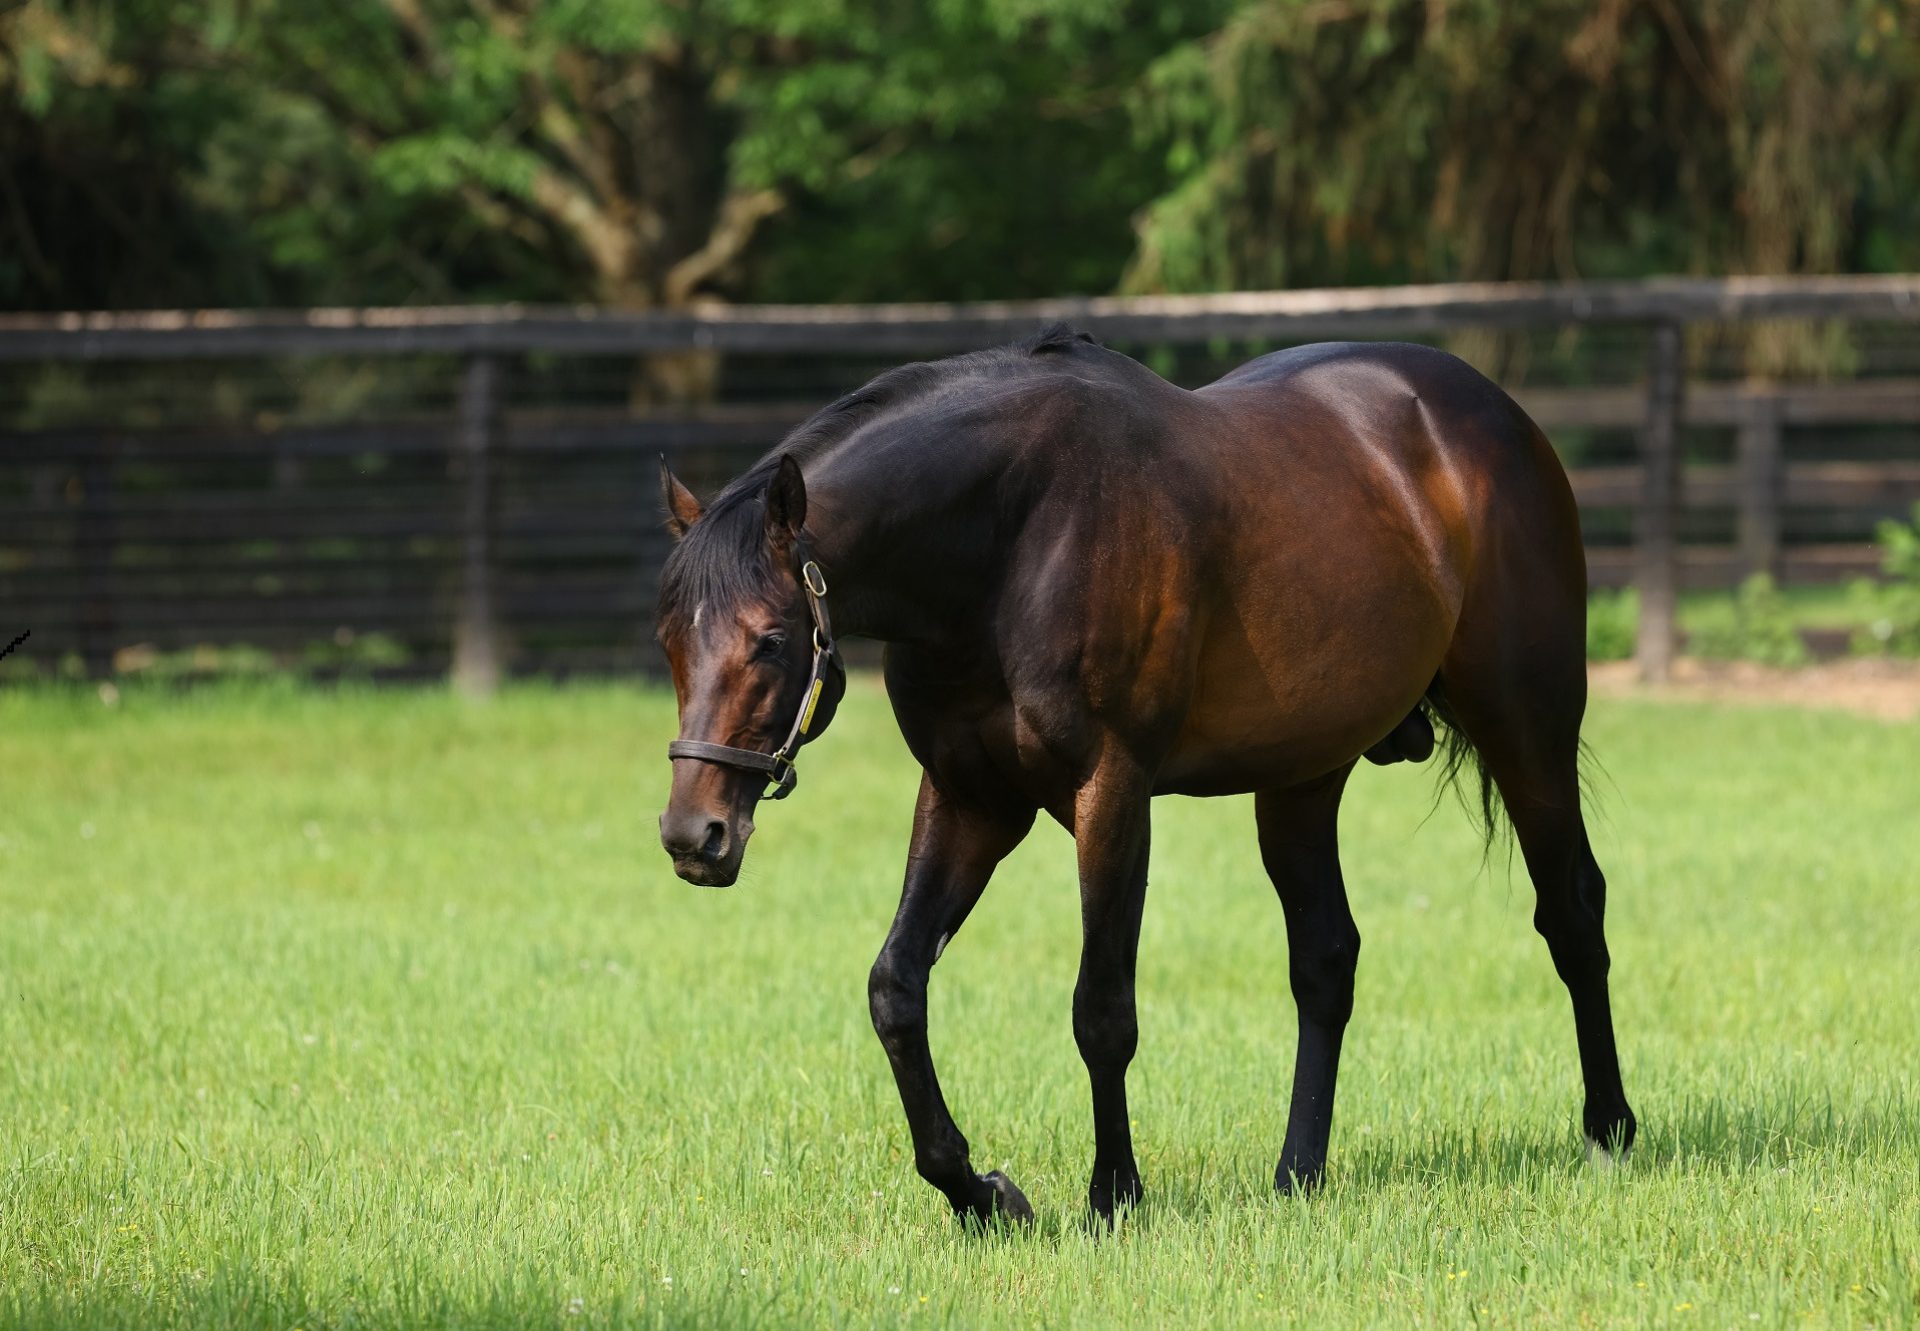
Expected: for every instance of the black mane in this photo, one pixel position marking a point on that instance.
(724, 554)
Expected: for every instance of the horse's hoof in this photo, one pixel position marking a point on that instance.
(1610, 1133)
(1298, 1180)
(1002, 1199)
(1106, 1195)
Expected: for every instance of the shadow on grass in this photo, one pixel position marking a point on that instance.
(1719, 1135)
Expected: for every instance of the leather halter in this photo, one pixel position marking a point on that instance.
(778, 765)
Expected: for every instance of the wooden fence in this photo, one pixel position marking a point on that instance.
(491, 535)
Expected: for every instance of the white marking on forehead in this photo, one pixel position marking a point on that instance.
(698, 610)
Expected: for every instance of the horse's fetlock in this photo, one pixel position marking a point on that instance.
(943, 1162)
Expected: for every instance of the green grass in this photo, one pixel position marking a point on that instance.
(381, 1010)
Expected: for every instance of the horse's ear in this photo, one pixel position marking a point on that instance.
(683, 510)
(786, 501)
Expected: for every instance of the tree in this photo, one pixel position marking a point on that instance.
(627, 152)
(1357, 141)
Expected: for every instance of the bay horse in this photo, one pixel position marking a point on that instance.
(1095, 587)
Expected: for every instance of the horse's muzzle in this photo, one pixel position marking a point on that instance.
(706, 851)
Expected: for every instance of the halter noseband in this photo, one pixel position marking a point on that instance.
(778, 765)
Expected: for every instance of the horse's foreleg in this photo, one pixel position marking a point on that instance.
(1111, 824)
(1299, 846)
(954, 852)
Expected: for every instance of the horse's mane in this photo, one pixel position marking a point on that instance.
(725, 552)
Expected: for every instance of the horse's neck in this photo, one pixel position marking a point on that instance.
(908, 549)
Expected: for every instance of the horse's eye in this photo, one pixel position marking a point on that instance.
(770, 646)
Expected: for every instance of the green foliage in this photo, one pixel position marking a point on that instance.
(639, 151)
(1613, 624)
(350, 653)
(1400, 140)
(1756, 625)
(1891, 607)
(626, 151)
(203, 662)
(353, 1009)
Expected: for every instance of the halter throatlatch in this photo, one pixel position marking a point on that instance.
(778, 765)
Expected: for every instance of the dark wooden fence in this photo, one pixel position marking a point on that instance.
(488, 535)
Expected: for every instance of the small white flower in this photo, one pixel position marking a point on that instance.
(743, 1270)
(666, 1280)
(893, 1289)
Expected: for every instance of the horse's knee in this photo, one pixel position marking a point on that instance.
(897, 999)
(1105, 1026)
(1322, 975)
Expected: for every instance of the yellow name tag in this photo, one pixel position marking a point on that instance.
(813, 701)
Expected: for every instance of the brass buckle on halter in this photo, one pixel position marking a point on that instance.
(815, 580)
(784, 777)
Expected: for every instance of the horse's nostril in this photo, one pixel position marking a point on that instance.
(716, 842)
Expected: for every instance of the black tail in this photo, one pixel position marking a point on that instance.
(1457, 755)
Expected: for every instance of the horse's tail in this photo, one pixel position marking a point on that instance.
(1458, 756)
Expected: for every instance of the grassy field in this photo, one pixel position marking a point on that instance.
(345, 1010)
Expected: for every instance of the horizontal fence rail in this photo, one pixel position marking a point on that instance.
(911, 329)
(483, 536)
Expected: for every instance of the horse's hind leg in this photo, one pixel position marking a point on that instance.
(1111, 829)
(1526, 727)
(1299, 846)
(955, 850)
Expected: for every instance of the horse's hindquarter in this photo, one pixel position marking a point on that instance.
(1345, 481)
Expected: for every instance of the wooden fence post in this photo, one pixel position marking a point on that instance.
(1762, 482)
(1658, 573)
(94, 539)
(476, 629)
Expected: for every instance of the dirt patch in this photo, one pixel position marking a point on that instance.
(1889, 690)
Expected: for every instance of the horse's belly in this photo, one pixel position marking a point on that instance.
(1289, 688)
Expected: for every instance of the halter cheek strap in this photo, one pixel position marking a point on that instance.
(778, 765)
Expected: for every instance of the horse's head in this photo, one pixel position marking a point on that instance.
(754, 667)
